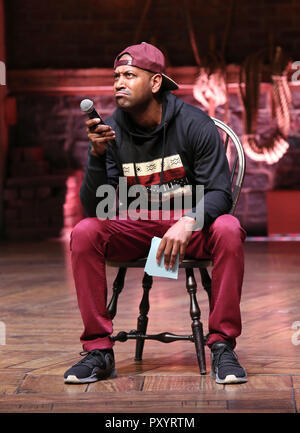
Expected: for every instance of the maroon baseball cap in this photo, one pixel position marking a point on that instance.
(148, 57)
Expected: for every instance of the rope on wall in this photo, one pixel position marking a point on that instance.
(210, 88)
(140, 27)
(191, 33)
(275, 146)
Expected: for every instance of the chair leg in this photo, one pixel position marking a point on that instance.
(142, 321)
(195, 313)
(206, 281)
(117, 289)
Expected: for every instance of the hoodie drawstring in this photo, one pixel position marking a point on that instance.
(163, 155)
(134, 165)
(162, 158)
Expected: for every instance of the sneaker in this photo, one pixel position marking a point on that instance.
(225, 367)
(96, 365)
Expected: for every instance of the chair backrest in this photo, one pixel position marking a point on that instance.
(236, 159)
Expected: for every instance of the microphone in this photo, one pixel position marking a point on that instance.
(87, 107)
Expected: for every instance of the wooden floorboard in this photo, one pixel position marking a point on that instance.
(42, 328)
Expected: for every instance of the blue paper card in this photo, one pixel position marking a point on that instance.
(158, 270)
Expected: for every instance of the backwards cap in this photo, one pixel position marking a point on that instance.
(148, 57)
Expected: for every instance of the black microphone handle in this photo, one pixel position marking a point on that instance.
(93, 115)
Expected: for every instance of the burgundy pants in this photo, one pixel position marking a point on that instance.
(94, 241)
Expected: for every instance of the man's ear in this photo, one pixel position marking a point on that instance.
(156, 81)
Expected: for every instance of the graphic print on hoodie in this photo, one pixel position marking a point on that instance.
(174, 180)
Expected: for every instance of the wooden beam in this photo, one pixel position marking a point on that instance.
(77, 81)
(96, 81)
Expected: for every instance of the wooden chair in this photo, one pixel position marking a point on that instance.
(236, 159)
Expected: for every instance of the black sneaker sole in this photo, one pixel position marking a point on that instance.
(230, 378)
(90, 379)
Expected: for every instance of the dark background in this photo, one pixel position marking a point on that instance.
(53, 43)
(88, 33)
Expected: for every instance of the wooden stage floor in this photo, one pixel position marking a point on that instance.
(40, 328)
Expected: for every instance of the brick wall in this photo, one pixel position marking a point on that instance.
(89, 33)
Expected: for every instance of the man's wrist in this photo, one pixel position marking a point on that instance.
(94, 153)
(190, 223)
(187, 219)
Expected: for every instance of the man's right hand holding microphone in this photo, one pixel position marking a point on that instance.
(99, 135)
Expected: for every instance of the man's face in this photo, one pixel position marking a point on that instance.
(132, 86)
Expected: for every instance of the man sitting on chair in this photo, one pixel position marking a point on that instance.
(155, 138)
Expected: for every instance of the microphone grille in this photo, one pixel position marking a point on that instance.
(86, 105)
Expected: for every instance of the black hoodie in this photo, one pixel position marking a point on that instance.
(185, 149)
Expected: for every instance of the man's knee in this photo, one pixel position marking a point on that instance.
(228, 228)
(85, 235)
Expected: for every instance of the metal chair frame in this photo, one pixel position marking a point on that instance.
(237, 166)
